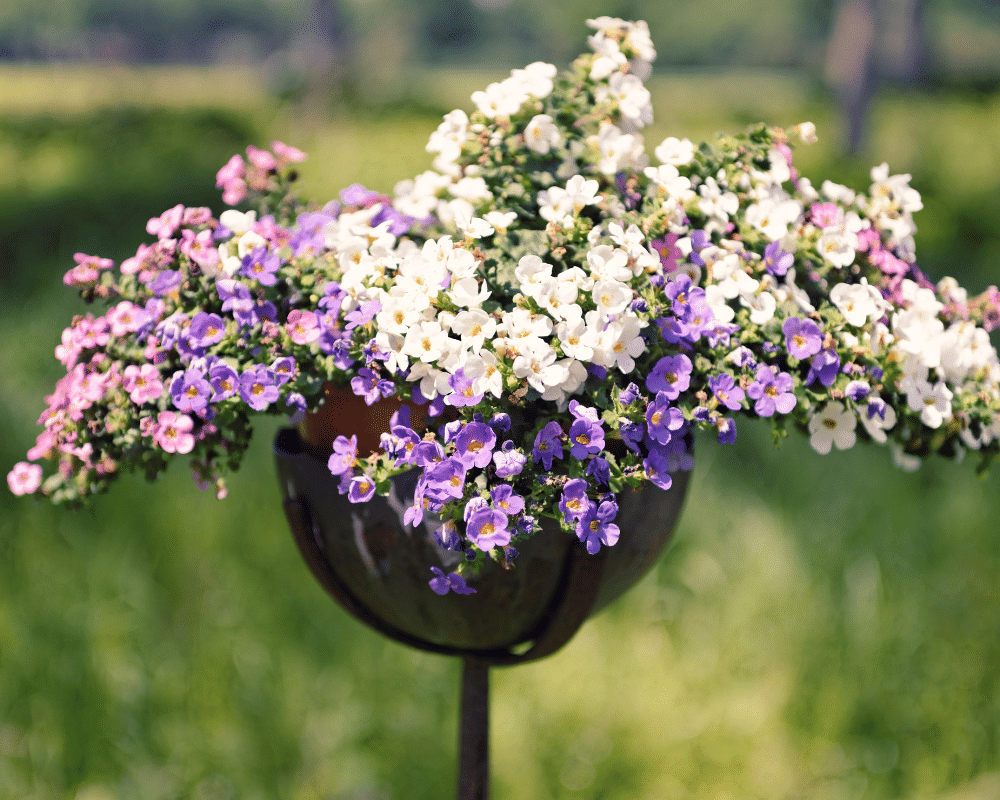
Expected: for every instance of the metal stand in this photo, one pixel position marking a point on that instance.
(474, 732)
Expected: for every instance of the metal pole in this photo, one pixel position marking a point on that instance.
(474, 732)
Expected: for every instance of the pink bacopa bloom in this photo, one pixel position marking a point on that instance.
(303, 326)
(25, 478)
(173, 432)
(286, 153)
(143, 383)
(87, 270)
(165, 225)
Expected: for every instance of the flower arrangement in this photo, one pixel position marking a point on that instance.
(565, 307)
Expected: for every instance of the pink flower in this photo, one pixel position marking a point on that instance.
(126, 317)
(87, 269)
(142, 383)
(286, 153)
(25, 478)
(303, 326)
(173, 432)
(199, 247)
(234, 170)
(164, 226)
(261, 159)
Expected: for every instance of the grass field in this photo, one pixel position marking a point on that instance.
(823, 627)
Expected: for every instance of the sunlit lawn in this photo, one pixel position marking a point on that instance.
(822, 628)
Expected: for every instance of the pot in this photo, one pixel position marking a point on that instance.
(378, 568)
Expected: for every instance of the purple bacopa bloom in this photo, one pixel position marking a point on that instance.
(297, 403)
(679, 293)
(234, 295)
(224, 381)
(662, 419)
(369, 385)
(487, 529)
(500, 422)
(824, 367)
(671, 374)
(474, 445)
(586, 438)
(362, 489)
(168, 281)
(425, 454)
(599, 469)
(509, 461)
(504, 499)
(595, 526)
(628, 395)
(776, 260)
(261, 265)
(452, 582)
(190, 391)
(345, 452)
(657, 465)
(445, 479)
(548, 445)
(574, 500)
(363, 314)
(463, 392)
(257, 387)
(803, 338)
(447, 536)
(727, 430)
(206, 329)
(772, 392)
(726, 391)
(283, 369)
(632, 434)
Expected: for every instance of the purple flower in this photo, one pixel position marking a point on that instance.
(363, 314)
(803, 337)
(445, 479)
(726, 391)
(500, 422)
(344, 453)
(474, 445)
(463, 392)
(628, 395)
(776, 260)
(283, 369)
(657, 464)
(368, 385)
(574, 501)
(261, 265)
(224, 381)
(600, 470)
(190, 391)
(727, 430)
(671, 374)
(773, 392)
(487, 529)
(362, 489)
(452, 582)
(632, 434)
(234, 295)
(206, 329)
(509, 461)
(661, 419)
(824, 367)
(447, 536)
(595, 526)
(257, 387)
(166, 282)
(504, 499)
(548, 445)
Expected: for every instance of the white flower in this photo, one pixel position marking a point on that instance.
(837, 247)
(834, 425)
(608, 263)
(536, 363)
(425, 341)
(622, 340)
(715, 297)
(541, 134)
(500, 220)
(535, 79)
(499, 99)
(674, 151)
(761, 305)
(611, 297)
(469, 293)
(619, 150)
(474, 326)
(470, 226)
(632, 98)
(806, 132)
(238, 222)
(577, 338)
(877, 426)
(856, 302)
(933, 401)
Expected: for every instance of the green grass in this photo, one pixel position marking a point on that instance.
(823, 627)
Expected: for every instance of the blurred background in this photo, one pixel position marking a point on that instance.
(823, 627)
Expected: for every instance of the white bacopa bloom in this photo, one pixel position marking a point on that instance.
(426, 341)
(530, 272)
(716, 299)
(631, 96)
(932, 401)
(608, 263)
(838, 192)
(448, 139)
(623, 342)
(716, 203)
(837, 246)
(761, 305)
(469, 293)
(239, 222)
(858, 302)
(536, 79)
(772, 217)
(536, 363)
(877, 425)
(500, 220)
(611, 297)
(541, 134)
(475, 326)
(674, 151)
(618, 150)
(577, 338)
(806, 132)
(832, 426)
(500, 99)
